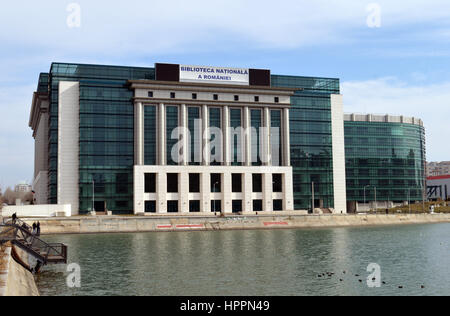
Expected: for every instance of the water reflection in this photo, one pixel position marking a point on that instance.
(281, 262)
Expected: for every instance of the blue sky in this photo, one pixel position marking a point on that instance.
(400, 67)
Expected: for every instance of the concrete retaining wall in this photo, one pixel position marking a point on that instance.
(120, 224)
(14, 279)
(37, 210)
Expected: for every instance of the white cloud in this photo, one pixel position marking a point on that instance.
(157, 26)
(389, 95)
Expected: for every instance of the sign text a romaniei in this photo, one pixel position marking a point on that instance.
(219, 75)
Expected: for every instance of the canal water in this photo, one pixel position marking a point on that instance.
(271, 262)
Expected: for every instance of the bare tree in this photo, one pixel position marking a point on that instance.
(28, 198)
(1, 199)
(9, 197)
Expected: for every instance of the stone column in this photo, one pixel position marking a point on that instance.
(226, 136)
(161, 192)
(206, 152)
(184, 126)
(247, 145)
(288, 189)
(247, 180)
(266, 150)
(286, 138)
(267, 192)
(205, 189)
(162, 135)
(226, 193)
(183, 192)
(138, 134)
(139, 189)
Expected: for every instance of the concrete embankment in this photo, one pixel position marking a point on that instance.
(126, 224)
(15, 280)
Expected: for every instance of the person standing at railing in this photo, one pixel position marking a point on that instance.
(38, 229)
(34, 229)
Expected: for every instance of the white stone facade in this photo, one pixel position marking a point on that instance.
(39, 123)
(68, 144)
(205, 196)
(339, 176)
(37, 211)
(227, 98)
(40, 187)
(435, 169)
(355, 117)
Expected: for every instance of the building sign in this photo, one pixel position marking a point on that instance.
(217, 75)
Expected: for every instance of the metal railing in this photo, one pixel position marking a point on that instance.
(20, 234)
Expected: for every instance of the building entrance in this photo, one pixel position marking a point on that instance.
(99, 206)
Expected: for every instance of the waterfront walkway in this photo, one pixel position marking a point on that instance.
(158, 223)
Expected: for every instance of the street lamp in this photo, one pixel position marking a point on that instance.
(368, 186)
(214, 189)
(93, 195)
(365, 194)
(409, 200)
(375, 199)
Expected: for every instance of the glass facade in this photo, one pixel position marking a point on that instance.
(106, 145)
(43, 83)
(215, 120)
(196, 140)
(256, 124)
(150, 135)
(106, 132)
(388, 156)
(311, 143)
(236, 138)
(275, 122)
(171, 124)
